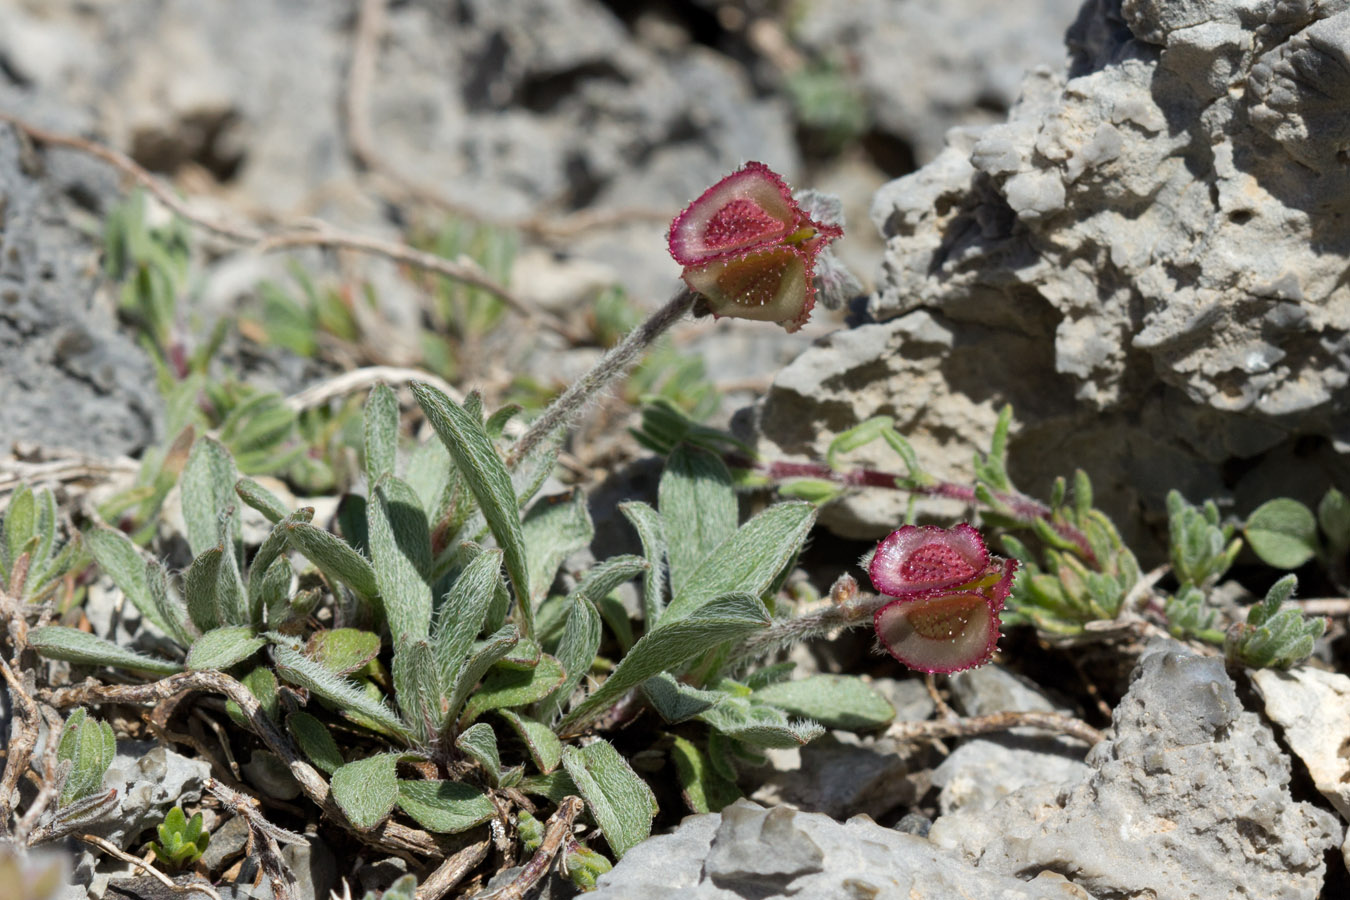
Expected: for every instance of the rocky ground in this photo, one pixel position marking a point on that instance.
(1125, 219)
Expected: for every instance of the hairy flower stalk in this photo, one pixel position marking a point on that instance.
(749, 250)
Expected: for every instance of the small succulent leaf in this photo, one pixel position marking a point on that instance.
(462, 611)
(300, 670)
(505, 688)
(945, 632)
(223, 647)
(262, 684)
(555, 527)
(119, 559)
(748, 560)
(418, 688)
(315, 741)
(487, 477)
(650, 527)
(724, 618)
(543, 745)
(583, 865)
(343, 650)
(367, 789)
(698, 509)
(576, 651)
(73, 645)
(854, 438)
(704, 789)
(621, 802)
(261, 499)
(381, 433)
(835, 701)
(1333, 515)
(335, 558)
(926, 557)
(1283, 532)
(207, 488)
(483, 657)
(446, 807)
(479, 742)
(404, 592)
(676, 702)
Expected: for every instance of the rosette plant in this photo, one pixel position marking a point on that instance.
(948, 593)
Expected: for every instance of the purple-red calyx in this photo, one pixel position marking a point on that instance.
(948, 594)
(750, 249)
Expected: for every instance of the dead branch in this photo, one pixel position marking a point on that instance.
(450, 873)
(556, 831)
(1002, 721)
(20, 746)
(113, 850)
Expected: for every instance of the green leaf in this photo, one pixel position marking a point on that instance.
(479, 742)
(510, 687)
(72, 645)
(480, 660)
(19, 523)
(747, 561)
(300, 670)
(554, 527)
(343, 650)
(202, 585)
(1283, 532)
(119, 559)
(576, 651)
(487, 477)
(263, 500)
(315, 741)
(620, 801)
(171, 609)
(271, 550)
(207, 488)
(403, 590)
(703, 787)
(555, 786)
(1333, 514)
(761, 726)
(543, 745)
(90, 746)
(367, 789)
(338, 562)
(836, 701)
(223, 647)
(651, 530)
(698, 508)
(262, 684)
(381, 433)
(669, 646)
(418, 688)
(463, 608)
(447, 807)
(676, 702)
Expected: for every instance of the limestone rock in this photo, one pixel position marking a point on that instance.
(1188, 799)
(1146, 259)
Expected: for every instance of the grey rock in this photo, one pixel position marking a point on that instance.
(747, 851)
(1313, 709)
(842, 774)
(1146, 259)
(960, 63)
(1189, 798)
(979, 773)
(150, 780)
(67, 377)
(910, 698)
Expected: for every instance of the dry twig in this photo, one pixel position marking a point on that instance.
(113, 850)
(1002, 721)
(556, 832)
(20, 746)
(450, 873)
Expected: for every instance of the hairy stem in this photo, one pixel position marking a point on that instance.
(613, 364)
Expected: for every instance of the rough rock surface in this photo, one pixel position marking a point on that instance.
(1188, 799)
(1313, 709)
(747, 851)
(68, 378)
(1147, 260)
(961, 63)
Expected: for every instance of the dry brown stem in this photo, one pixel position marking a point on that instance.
(1002, 721)
(115, 851)
(450, 873)
(556, 832)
